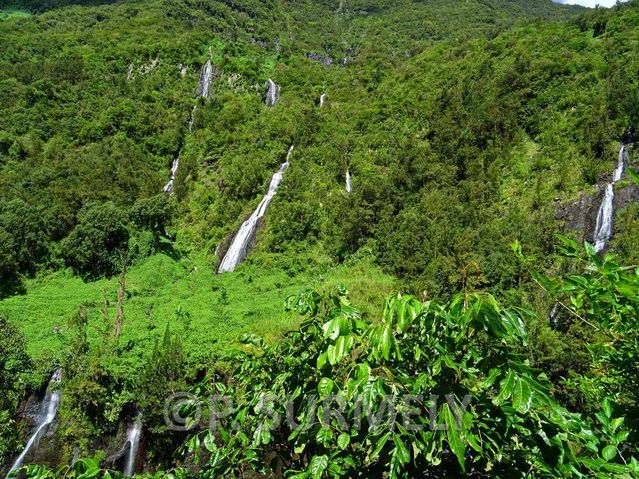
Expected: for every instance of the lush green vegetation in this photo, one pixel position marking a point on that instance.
(465, 127)
(465, 396)
(462, 365)
(12, 13)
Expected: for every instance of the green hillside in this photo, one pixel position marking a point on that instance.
(472, 133)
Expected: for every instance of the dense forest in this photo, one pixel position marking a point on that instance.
(475, 156)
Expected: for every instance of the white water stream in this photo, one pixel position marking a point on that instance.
(242, 239)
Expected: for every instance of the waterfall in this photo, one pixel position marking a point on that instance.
(174, 167)
(206, 77)
(241, 242)
(48, 411)
(603, 227)
(202, 91)
(618, 173)
(273, 93)
(133, 435)
(606, 214)
(192, 119)
(349, 187)
(322, 100)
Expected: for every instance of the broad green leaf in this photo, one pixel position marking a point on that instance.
(609, 452)
(490, 380)
(381, 442)
(453, 435)
(324, 436)
(590, 250)
(317, 467)
(331, 329)
(321, 360)
(522, 396)
(209, 442)
(340, 349)
(607, 408)
(325, 386)
(401, 451)
(385, 341)
(343, 440)
(505, 388)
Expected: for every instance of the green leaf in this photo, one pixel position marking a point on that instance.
(522, 396)
(343, 440)
(385, 342)
(401, 451)
(505, 388)
(607, 408)
(332, 329)
(453, 435)
(381, 442)
(340, 349)
(590, 250)
(321, 360)
(516, 247)
(318, 466)
(325, 386)
(209, 442)
(490, 380)
(324, 436)
(609, 453)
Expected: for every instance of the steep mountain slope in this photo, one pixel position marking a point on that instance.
(97, 109)
(462, 126)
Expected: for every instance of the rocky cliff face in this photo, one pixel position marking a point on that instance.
(580, 216)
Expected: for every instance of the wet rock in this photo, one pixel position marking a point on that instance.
(579, 216)
(325, 60)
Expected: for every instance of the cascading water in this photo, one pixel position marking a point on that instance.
(206, 77)
(606, 214)
(192, 119)
(322, 100)
(618, 173)
(349, 187)
(174, 168)
(241, 241)
(133, 435)
(203, 90)
(273, 93)
(48, 411)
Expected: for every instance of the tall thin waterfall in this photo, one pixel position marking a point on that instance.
(241, 241)
(168, 188)
(203, 90)
(206, 77)
(192, 119)
(48, 411)
(133, 435)
(273, 93)
(322, 100)
(621, 163)
(606, 214)
(349, 187)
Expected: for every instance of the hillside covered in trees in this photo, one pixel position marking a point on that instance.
(322, 155)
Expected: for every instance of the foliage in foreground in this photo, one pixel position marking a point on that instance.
(455, 370)
(433, 389)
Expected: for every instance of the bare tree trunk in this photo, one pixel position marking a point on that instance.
(121, 294)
